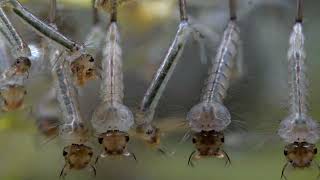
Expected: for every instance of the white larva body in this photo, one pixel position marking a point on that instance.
(298, 126)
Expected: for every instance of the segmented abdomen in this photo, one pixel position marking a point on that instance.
(112, 85)
(297, 69)
(219, 75)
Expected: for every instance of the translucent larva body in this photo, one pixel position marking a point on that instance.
(298, 126)
(82, 63)
(20, 48)
(298, 129)
(74, 129)
(211, 114)
(111, 119)
(210, 117)
(145, 128)
(12, 90)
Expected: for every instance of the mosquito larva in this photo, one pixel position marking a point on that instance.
(112, 119)
(145, 128)
(74, 130)
(12, 91)
(77, 155)
(82, 64)
(299, 130)
(210, 117)
(20, 50)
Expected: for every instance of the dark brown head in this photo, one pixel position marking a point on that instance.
(300, 154)
(208, 144)
(13, 97)
(22, 65)
(84, 69)
(114, 143)
(77, 157)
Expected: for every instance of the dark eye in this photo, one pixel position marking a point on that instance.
(127, 138)
(25, 92)
(100, 140)
(90, 153)
(18, 62)
(91, 59)
(149, 132)
(222, 139)
(65, 153)
(315, 151)
(194, 140)
(285, 152)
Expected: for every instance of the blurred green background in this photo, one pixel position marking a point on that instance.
(147, 27)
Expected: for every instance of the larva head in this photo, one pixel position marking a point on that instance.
(208, 144)
(77, 156)
(208, 116)
(300, 154)
(84, 69)
(151, 135)
(22, 65)
(13, 97)
(114, 143)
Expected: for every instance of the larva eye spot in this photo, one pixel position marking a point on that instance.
(65, 153)
(194, 140)
(100, 140)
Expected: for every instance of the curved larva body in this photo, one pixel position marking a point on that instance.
(298, 126)
(210, 113)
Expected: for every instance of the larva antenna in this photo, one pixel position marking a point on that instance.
(299, 17)
(183, 10)
(233, 9)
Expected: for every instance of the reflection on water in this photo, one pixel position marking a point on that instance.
(259, 99)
